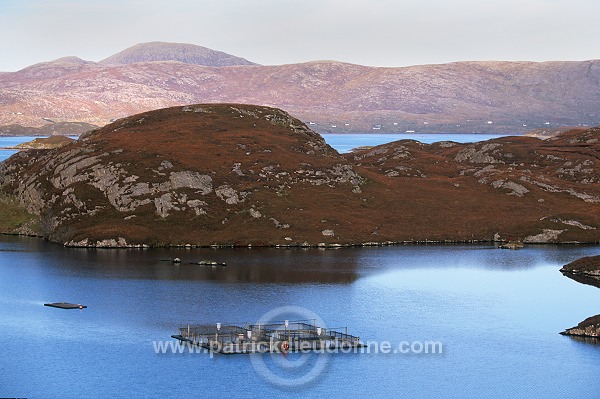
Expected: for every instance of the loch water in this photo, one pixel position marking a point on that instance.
(497, 313)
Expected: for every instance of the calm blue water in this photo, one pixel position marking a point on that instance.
(497, 313)
(341, 142)
(13, 141)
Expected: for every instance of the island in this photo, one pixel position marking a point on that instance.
(249, 175)
(45, 143)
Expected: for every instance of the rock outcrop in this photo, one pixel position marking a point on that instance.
(589, 328)
(231, 174)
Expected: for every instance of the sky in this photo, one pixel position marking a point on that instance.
(274, 32)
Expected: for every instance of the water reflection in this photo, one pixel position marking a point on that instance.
(277, 265)
(583, 279)
(270, 265)
(586, 340)
(497, 312)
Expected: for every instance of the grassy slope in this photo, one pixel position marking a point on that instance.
(12, 215)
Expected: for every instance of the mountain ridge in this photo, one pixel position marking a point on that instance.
(469, 96)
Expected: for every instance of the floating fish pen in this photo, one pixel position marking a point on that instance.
(286, 336)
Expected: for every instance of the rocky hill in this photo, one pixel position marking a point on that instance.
(506, 97)
(231, 174)
(181, 52)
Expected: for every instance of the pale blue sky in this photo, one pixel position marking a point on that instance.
(374, 32)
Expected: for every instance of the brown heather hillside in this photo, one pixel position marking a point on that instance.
(233, 174)
(457, 97)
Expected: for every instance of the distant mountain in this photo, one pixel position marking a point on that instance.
(186, 53)
(54, 69)
(49, 129)
(487, 97)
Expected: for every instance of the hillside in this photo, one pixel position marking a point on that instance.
(233, 174)
(494, 97)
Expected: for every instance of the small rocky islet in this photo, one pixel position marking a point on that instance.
(587, 271)
(589, 328)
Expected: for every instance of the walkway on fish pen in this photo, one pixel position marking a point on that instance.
(285, 336)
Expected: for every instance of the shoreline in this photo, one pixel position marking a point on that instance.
(122, 244)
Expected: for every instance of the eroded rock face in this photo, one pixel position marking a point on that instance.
(487, 153)
(125, 192)
(547, 235)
